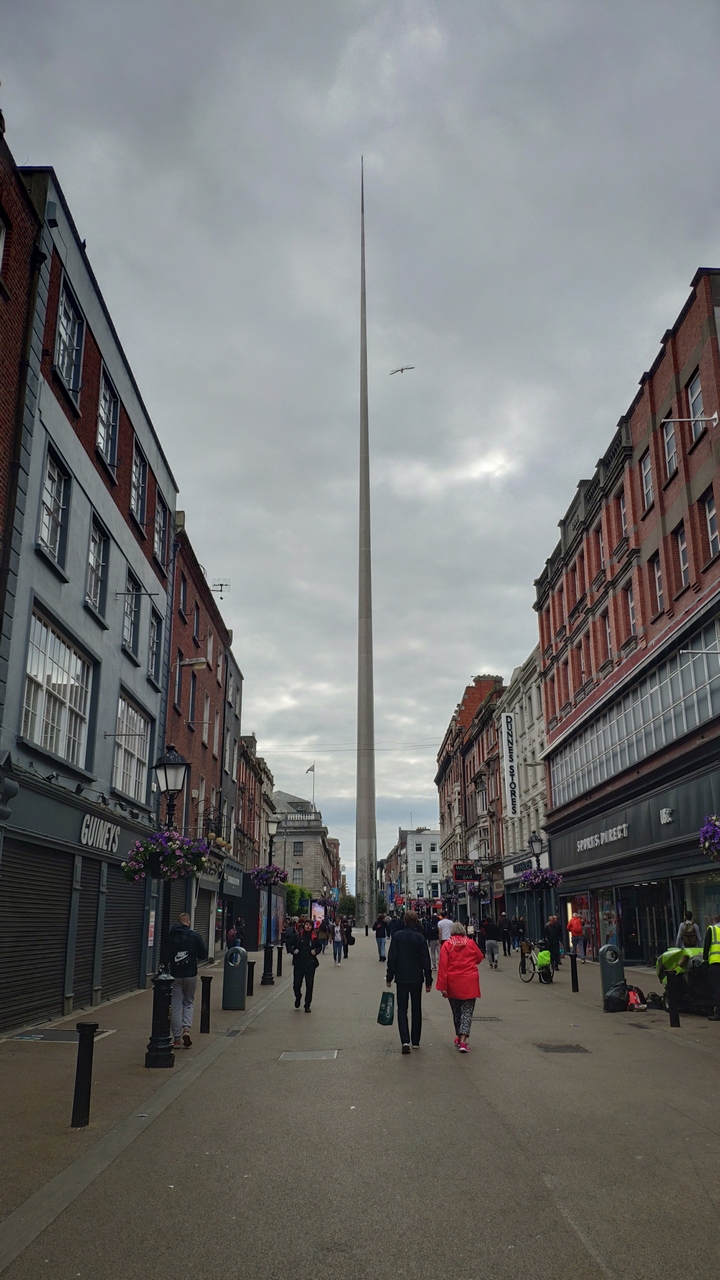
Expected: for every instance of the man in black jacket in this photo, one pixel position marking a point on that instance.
(186, 948)
(409, 965)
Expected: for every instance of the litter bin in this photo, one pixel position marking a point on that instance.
(612, 968)
(234, 978)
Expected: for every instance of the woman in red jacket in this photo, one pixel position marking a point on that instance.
(458, 980)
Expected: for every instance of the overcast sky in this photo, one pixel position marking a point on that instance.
(542, 182)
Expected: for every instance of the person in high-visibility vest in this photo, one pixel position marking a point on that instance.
(711, 956)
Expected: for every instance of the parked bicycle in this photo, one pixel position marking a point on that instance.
(535, 959)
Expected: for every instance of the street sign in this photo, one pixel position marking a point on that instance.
(464, 871)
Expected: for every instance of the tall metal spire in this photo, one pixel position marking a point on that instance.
(365, 828)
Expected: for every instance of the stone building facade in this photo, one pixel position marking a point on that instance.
(301, 844)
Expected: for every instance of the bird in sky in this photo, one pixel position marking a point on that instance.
(402, 370)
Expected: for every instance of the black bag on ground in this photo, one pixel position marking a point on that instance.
(616, 1000)
(654, 1001)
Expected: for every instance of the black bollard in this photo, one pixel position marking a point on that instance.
(160, 1045)
(673, 998)
(251, 977)
(523, 962)
(83, 1074)
(279, 963)
(206, 979)
(573, 974)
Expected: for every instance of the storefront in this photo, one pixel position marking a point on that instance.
(229, 902)
(632, 871)
(207, 890)
(73, 930)
(532, 905)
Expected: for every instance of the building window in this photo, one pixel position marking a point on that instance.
(95, 586)
(656, 584)
(670, 449)
(712, 525)
(182, 601)
(682, 555)
(155, 646)
(219, 672)
(600, 547)
(230, 687)
(419, 868)
(196, 622)
(433, 848)
(216, 734)
(107, 425)
(605, 620)
(434, 867)
(193, 693)
(434, 890)
(132, 745)
(671, 700)
(226, 752)
(57, 693)
(138, 485)
(418, 848)
(177, 699)
(210, 639)
(297, 875)
(647, 484)
(3, 239)
(622, 512)
(631, 610)
(131, 613)
(54, 509)
(297, 848)
(420, 889)
(235, 759)
(201, 808)
(68, 348)
(695, 405)
(160, 531)
(238, 697)
(206, 719)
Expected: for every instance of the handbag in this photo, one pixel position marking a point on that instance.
(351, 940)
(386, 1012)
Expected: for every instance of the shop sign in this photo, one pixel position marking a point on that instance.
(464, 871)
(512, 789)
(498, 883)
(95, 833)
(151, 929)
(603, 837)
(232, 880)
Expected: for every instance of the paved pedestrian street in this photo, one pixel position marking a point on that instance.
(567, 1143)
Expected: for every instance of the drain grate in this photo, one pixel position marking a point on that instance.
(58, 1037)
(486, 1019)
(307, 1055)
(561, 1048)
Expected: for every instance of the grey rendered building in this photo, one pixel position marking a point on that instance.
(85, 649)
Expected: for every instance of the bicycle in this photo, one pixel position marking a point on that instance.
(529, 964)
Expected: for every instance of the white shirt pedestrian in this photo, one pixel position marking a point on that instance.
(444, 928)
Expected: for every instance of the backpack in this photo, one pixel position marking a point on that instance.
(181, 963)
(688, 934)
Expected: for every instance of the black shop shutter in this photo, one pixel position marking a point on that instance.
(202, 915)
(123, 935)
(35, 894)
(85, 946)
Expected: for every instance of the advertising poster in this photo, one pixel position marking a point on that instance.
(318, 913)
(278, 918)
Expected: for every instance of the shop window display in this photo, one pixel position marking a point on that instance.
(702, 897)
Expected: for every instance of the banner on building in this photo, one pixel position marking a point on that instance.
(512, 778)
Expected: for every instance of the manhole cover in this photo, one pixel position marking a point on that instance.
(58, 1037)
(561, 1048)
(307, 1055)
(486, 1019)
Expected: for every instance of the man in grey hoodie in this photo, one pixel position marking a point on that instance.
(186, 948)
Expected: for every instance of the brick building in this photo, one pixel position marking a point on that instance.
(629, 619)
(204, 725)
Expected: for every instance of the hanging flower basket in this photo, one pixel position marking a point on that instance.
(262, 877)
(540, 879)
(165, 855)
(710, 838)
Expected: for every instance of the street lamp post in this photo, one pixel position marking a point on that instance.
(535, 845)
(171, 771)
(267, 979)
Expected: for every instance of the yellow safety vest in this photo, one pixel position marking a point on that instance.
(714, 953)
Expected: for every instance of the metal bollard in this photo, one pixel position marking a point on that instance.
(279, 963)
(251, 977)
(206, 979)
(673, 996)
(366, 930)
(573, 974)
(83, 1074)
(160, 1045)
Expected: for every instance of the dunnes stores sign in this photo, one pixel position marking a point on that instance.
(96, 833)
(512, 790)
(603, 837)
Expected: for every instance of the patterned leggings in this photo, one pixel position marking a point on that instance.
(462, 1012)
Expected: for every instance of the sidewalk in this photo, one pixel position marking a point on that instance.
(37, 1080)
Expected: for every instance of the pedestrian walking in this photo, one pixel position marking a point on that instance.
(433, 939)
(553, 938)
(381, 931)
(515, 933)
(492, 941)
(711, 956)
(688, 935)
(347, 938)
(323, 934)
(186, 948)
(290, 936)
(576, 929)
(395, 925)
(458, 981)
(522, 929)
(444, 926)
(408, 966)
(506, 934)
(337, 942)
(305, 962)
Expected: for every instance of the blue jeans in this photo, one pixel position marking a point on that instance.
(381, 947)
(337, 951)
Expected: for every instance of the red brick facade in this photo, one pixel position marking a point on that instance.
(469, 751)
